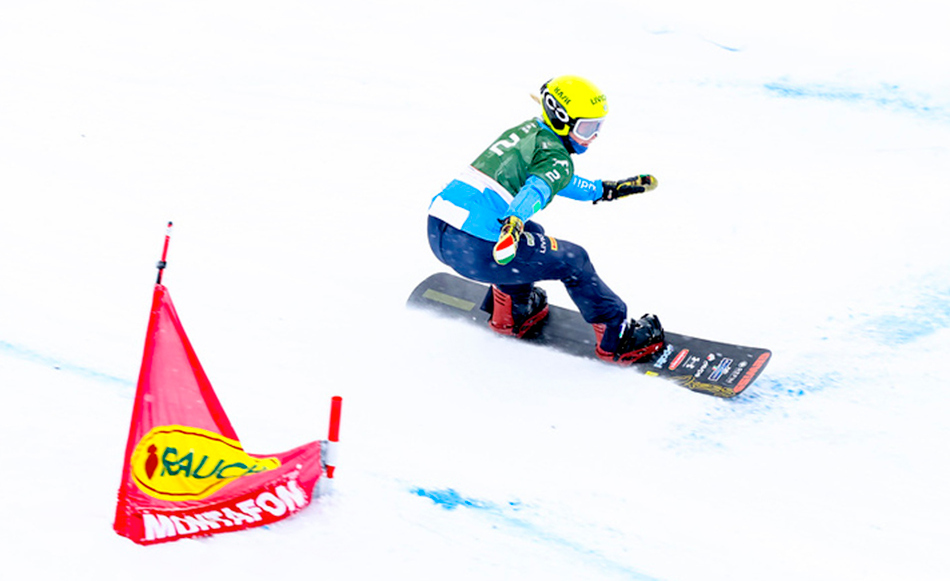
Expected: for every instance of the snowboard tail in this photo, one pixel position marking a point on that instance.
(711, 367)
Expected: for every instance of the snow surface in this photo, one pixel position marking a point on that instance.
(803, 153)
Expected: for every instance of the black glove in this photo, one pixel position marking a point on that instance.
(627, 187)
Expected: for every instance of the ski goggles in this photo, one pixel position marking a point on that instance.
(585, 130)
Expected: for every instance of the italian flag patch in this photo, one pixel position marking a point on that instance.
(504, 251)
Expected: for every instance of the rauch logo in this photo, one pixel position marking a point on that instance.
(185, 463)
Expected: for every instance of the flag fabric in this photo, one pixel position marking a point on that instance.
(185, 472)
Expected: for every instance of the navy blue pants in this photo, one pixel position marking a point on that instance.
(539, 257)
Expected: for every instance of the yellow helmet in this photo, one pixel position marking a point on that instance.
(566, 100)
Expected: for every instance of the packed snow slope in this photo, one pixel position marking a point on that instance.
(802, 152)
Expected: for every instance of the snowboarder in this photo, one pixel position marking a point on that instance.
(480, 226)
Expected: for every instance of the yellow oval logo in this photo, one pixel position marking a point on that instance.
(185, 463)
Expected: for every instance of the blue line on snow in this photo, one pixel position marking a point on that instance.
(450, 499)
(889, 96)
(925, 316)
(20, 352)
(723, 46)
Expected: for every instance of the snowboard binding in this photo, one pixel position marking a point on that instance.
(638, 340)
(516, 319)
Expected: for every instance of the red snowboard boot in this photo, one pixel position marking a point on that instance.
(517, 320)
(635, 341)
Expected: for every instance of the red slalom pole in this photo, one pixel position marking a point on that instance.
(336, 403)
(161, 263)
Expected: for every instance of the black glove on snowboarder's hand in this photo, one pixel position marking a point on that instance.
(627, 187)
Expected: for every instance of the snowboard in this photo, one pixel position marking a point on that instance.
(711, 367)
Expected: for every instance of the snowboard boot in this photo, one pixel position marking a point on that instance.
(516, 319)
(634, 341)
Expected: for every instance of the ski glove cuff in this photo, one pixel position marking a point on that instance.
(627, 187)
(511, 229)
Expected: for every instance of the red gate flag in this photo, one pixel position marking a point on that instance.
(185, 472)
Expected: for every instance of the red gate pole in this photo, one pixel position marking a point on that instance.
(336, 403)
(161, 263)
